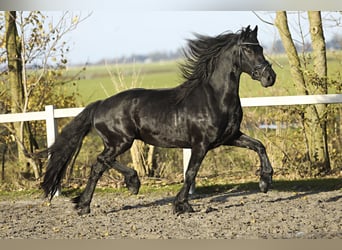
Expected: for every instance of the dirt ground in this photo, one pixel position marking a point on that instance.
(231, 214)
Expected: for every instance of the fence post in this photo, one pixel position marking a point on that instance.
(186, 159)
(51, 130)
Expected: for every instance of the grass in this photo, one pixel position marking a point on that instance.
(303, 185)
(95, 82)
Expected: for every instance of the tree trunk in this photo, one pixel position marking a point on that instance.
(13, 47)
(314, 131)
(320, 68)
(143, 158)
(295, 66)
(291, 51)
(3, 158)
(16, 88)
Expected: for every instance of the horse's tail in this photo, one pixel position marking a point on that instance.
(65, 148)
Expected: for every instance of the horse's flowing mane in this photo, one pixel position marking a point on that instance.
(201, 55)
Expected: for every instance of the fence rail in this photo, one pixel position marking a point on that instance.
(51, 114)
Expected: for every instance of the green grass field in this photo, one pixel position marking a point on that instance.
(96, 82)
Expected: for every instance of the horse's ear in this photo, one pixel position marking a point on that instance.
(255, 31)
(245, 33)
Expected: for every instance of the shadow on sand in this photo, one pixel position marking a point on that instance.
(221, 193)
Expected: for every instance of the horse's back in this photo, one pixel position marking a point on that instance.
(151, 115)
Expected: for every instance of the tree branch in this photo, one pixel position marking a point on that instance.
(261, 19)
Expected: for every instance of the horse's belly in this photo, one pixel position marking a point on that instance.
(164, 135)
(164, 140)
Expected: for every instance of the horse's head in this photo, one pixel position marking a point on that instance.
(252, 60)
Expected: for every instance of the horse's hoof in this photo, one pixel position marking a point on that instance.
(134, 190)
(265, 183)
(263, 186)
(133, 184)
(83, 211)
(182, 207)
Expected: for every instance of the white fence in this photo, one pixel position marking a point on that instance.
(50, 114)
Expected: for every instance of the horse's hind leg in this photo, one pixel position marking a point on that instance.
(131, 177)
(83, 201)
(105, 161)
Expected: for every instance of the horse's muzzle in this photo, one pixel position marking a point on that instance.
(265, 74)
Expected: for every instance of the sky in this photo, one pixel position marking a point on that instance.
(112, 34)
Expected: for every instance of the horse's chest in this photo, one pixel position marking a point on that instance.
(230, 124)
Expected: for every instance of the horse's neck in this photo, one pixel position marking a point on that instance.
(226, 77)
(225, 83)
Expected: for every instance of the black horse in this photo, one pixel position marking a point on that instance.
(202, 113)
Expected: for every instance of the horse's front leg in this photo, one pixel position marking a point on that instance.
(181, 203)
(266, 171)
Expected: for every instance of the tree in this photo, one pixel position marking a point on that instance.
(14, 57)
(310, 82)
(30, 42)
(321, 75)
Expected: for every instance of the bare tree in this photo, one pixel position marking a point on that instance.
(32, 43)
(321, 75)
(314, 118)
(14, 64)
